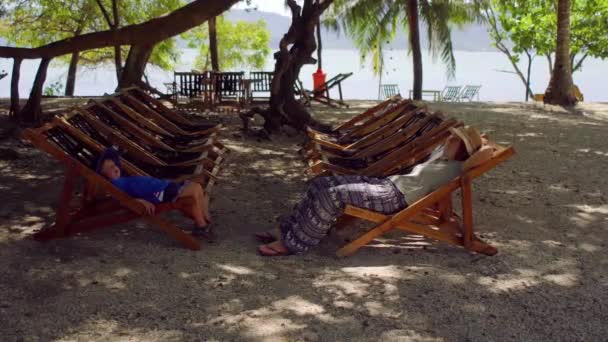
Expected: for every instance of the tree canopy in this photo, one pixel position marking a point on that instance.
(240, 44)
(529, 27)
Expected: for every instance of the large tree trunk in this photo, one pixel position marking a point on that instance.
(295, 50)
(117, 51)
(32, 112)
(284, 108)
(560, 90)
(149, 32)
(414, 37)
(118, 61)
(215, 64)
(14, 111)
(319, 46)
(135, 65)
(70, 84)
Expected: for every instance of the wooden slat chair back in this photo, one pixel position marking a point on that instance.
(432, 216)
(469, 93)
(135, 123)
(261, 84)
(138, 161)
(389, 90)
(88, 124)
(206, 153)
(380, 156)
(368, 114)
(406, 155)
(172, 115)
(354, 130)
(359, 148)
(344, 141)
(450, 93)
(94, 212)
(132, 104)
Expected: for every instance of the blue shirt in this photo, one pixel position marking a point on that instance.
(143, 187)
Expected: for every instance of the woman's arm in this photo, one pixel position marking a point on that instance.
(481, 156)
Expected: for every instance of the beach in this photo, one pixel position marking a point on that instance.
(545, 209)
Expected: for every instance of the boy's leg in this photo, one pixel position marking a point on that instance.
(195, 191)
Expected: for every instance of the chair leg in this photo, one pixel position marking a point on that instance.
(62, 215)
(186, 239)
(467, 212)
(364, 239)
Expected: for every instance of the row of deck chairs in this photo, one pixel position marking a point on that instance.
(460, 94)
(390, 138)
(153, 140)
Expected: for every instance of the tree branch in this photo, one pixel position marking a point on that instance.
(176, 22)
(105, 13)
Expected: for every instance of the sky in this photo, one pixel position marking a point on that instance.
(276, 6)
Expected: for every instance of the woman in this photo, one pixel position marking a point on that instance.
(326, 198)
(150, 191)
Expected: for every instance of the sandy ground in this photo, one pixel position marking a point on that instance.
(546, 210)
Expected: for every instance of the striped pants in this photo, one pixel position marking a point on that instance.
(326, 198)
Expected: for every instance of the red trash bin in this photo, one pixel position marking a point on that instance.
(318, 79)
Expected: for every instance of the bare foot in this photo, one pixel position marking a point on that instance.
(276, 248)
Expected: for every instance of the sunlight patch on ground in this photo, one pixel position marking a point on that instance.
(271, 322)
(403, 335)
(525, 279)
(564, 279)
(110, 330)
(588, 214)
(240, 270)
(588, 150)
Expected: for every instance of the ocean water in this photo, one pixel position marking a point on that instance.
(491, 70)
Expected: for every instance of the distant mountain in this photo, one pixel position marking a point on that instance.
(472, 37)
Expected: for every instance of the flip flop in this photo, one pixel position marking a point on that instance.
(266, 250)
(265, 237)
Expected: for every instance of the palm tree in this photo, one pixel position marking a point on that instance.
(368, 21)
(560, 90)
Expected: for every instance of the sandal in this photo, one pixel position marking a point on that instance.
(265, 237)
(267, 250)
(206, 233)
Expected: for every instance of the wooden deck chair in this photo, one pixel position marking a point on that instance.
(78, 129)
(261, 83)
(322, 94)
(470, 92)
(381, 156)
(302, 92)
(174, 116)
(432, 216)
(111, 110)
(88, 124)
(229, 89)
(356, 122)
(151, 113)
(450, 93)
(389, 90)
(193, 90)
(359, 148)
(412, 151)
(418, 125)
(169, 144)
(94, 212)
(382, 117)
